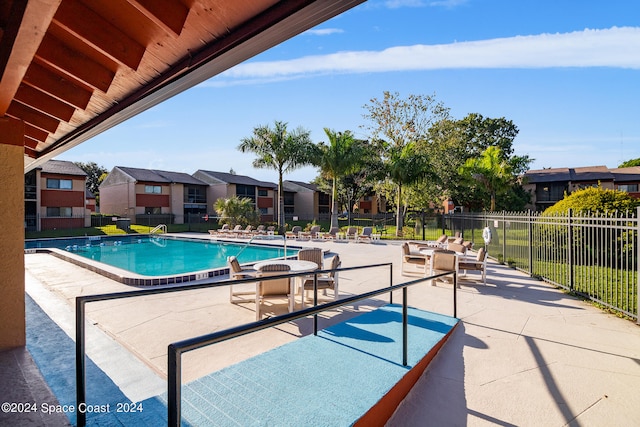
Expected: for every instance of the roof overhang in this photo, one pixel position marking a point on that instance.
(73, 69)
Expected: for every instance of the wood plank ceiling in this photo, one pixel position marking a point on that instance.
(71, 69)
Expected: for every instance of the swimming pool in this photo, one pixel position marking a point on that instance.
(148, 258)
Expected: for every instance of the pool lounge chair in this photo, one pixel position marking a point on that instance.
(365, 235)
(332, 234)
(352, 233)
(312, 234)
(293, 234)
(220, 231)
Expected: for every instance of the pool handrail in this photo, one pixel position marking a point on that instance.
(81, 301)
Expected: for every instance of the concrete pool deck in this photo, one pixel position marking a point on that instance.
(524, 353)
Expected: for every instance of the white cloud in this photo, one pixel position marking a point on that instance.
(324, 31)
(614, 47)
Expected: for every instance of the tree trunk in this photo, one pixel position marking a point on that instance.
(399, 214)
(334, 205)
(281, 226)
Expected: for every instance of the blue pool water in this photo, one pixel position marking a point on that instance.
(160, 256)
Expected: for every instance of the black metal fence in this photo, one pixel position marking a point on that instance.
(593, 255)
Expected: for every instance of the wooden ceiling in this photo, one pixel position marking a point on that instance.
(71, 69)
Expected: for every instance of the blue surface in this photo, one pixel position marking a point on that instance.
(160, 256)
(327, 380)
(54, 353)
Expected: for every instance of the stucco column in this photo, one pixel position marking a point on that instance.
(12, 311)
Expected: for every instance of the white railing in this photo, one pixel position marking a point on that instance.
(159, 228)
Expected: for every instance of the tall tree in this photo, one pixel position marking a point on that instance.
(397, 126)
(95, 175)
(341, 156)
(491, 171)
(280, 150)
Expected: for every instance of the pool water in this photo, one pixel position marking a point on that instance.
(160, 256)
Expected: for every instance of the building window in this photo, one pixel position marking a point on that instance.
(153, 189)
(550, 192)
(60, 184)
(152, 211)
(59, 212)
(195, 195)
(262, 192)
(264, 211)
(246, 191)
(629, 188)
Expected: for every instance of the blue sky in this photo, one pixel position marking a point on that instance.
(566, 72)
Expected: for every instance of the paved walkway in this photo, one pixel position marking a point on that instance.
(525, 353)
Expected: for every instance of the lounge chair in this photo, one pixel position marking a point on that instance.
(236, 271)
(477, 264)
(365, 235)
(246, 232)
(416, 259)
(260, 231)
(234, 232)
(332, 234)
(273, 288)
(222, 231)
(313, 233)
(324, 281)
(352, 233)
(293, 234)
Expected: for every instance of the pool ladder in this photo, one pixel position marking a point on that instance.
(264, 237)
(159, 227)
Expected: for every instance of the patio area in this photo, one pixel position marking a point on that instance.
(523, 354)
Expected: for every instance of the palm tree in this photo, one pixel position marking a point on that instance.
(236, 210)
(280, 150)
(340, 157)
(490, 169)
(405, 165)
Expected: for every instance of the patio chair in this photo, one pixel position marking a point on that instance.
(313, 233)
(236, 271)
(311, 254)
(332, 234)
(418, 260)
(442, 262)
(477, 264)
(365, 235)
(352, 232)
(260, 231)
(273, 288)
(457, 247)
(324, 281)
(246, 232)
(293, 234)
(220, 231)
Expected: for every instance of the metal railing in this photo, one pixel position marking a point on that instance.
(596, 256)
(82, 301)
(175, 350)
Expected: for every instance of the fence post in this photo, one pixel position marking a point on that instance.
(637, 266)
(570, 249)
(530, 220)
(504, 235)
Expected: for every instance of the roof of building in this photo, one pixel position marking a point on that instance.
(230, 178)
(160, 176)
(626, 174)
(307, 185)
(588, 173)
(62, 167)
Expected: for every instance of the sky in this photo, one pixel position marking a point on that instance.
(565, 72)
